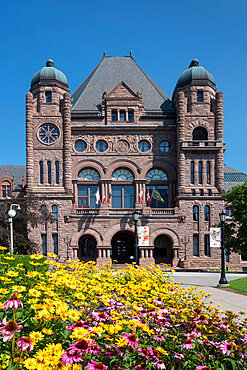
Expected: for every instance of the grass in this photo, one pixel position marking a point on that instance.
(25, 261)
(239, 284)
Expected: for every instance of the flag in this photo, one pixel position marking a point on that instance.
(109, 196)
(103, 200)
(141, 196)
(156, 195)
(148, 198)
(97, 196)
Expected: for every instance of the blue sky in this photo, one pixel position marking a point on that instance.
(164, 36)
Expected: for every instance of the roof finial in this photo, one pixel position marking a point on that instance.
(194, 63)
(131, 54)
(104, 54)
(49, 63)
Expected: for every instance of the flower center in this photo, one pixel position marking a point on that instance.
(78, 323)
(13, 297)
(27, 339)
(188, 341)
(132, 337)
(82, 344)
(102, 315)
(229, 347)
(99, 366)
(11, 326)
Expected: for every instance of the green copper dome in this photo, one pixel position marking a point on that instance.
(49, 73)
(194, 74)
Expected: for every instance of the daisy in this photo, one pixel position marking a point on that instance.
(95, 366)
(70, 359)
(25, 343)
(203, 367)
(130, 339)
(226, 347)
(13, 302)
(9, 329)
(78, 324)
(187, 344)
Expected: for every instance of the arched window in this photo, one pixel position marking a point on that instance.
(208, 173)
(43, 212)
(192, 172)
(54, 212)
(199, 134)
(89, 192)
(195, 213)
(48, 96)
(49, 171)
(123, 195)
(41, 172)
(200, 172)
(57, 172)
(199, 96)
(207, 213)
(157, 191)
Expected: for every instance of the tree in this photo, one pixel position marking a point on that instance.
(28, 216)
(236, 230)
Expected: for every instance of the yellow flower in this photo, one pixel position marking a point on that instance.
(47, 331)
(18, 288)
(121, 342)
(52, 255)
(36, 336)
(36, 256)
(9, 258)
(3, 248)
(161, 350)
(12, 273)
(74, 315)
(32, 273)
(80, 333)
(34, 293)
(4, 291)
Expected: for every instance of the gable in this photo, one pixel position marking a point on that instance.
(122, 91)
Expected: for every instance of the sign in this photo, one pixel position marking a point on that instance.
(215, 237)
(143, 236)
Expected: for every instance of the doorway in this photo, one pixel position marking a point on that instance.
(163, 250)
(122, 247)
(87, 248)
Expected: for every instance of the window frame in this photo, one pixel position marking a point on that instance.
(196, 213)
(49, 172)
(207, 213)
(44, 244)
(199, 96)
(196, 245)
(48, 97)
(55, 243)
(55, 212)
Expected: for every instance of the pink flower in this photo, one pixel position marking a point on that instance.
(9, 329)
(226, 347)
(202, 367)
(99, 316)
(224, 327)
(70, 359)
(78, 324)
(244, 340)
(187, 344)
(78, 348)
(160, 365)
(25, 343)
(131, 339)
(178, 355)
(95, 366)
(13, 302)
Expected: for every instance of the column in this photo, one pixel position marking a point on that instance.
(29, 140)
(67, 142)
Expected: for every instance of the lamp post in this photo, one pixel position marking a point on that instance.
(136, 249)
(223, 280)
(67, 242)
(11, 214)
(185, 241)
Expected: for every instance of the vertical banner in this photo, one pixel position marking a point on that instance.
(143, 236)
(215, 237)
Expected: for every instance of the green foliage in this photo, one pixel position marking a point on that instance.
(23, 260)
(236, 230)
(239, 284)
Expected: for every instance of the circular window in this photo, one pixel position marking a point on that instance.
(48, 133)
(144, 146)
(101, 146)
(80, 146)
(165, 146)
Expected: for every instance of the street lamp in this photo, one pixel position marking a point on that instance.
(12, 213)
(185, 241)
(223, 280)
(136, 249)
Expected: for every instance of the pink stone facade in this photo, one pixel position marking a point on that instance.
(105, 233)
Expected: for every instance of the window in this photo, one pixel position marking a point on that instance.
(199, 96)
(193, 192)
(207, 245)
(200, 172)
(41, 172)
(165, 146)
(122, 115)
(48, 96)
(209, 192)
(144, 146)
(192, 172)
(208, 173)
(57, 172)
(44, 244)
(48, 133)
(114, 115)
(196, 245)
(43, 212)
(162, 194)
(195, 213)
(55, 243)
(228, 211)
(101, 146)
(88, 174)
(201, 192)
(123, 196)
(54, 212)
(207, 213)
(80, 146)
(199, 134)
(6, 190)
(87, 197)
(130, 115)
(156, 174)
(49, 171)
(122, 175)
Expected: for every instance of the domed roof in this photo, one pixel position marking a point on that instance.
(194, 74)
(49, 73)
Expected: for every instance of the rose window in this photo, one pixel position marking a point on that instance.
(48, 133)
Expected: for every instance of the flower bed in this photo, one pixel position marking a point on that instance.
(81, 317)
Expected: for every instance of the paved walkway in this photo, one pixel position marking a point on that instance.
(207, 282)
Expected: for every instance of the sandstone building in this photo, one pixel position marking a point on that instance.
(120, 138)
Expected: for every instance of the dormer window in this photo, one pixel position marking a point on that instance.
(199, 96)
(48, 96)
(114, 115)
(130, 115)
(122, 115)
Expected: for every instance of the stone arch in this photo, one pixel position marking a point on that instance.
(92, 163)
(163, 165)
(123, 163)
(115, 229)
(89, 232)
(200, 123)
(164, 231)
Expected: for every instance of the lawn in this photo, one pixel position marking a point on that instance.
(239, 284)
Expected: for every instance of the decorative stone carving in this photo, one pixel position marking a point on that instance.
(122, 146)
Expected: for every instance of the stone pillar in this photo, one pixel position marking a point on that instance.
(67, 143)
(219, 166)
(181, 108)
(29, 140)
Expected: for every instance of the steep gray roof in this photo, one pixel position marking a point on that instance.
(108, 74)
(17, 171)
(233, 177)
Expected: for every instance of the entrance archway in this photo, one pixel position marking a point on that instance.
(163, 250)
(122, 247)
(87, 248)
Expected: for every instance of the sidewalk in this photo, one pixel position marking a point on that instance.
(208, 282)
